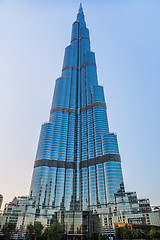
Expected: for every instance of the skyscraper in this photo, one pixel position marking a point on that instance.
(77, 178)
(1, 200)
(77, 166)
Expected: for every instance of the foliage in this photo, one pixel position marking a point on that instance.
(154, 233)
(55, 232)
(94, 236)
(8, 230)
(138, 234)
(45, 234)
(34, 231)
(97, 236)
(103, 237)
(128, 233)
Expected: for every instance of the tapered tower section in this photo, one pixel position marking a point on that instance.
(77, 165)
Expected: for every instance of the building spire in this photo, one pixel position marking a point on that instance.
(80, 8)
(80, 15)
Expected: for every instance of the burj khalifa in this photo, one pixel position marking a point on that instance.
(77, 165)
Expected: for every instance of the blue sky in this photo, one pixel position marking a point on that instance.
(125, 36)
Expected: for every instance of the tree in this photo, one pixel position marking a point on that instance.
(54, 232)
(8, 230)
(126, 232)
(94, 236)
(138, 234)
(98, 236)
(154, 233)
(45, 235)
(103, 237)
(35, 231)
(30, 230)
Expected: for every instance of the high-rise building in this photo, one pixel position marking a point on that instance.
(77, 166)
(1, 200)
(77, 177)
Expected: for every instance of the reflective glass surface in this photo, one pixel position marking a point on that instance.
(77, 165)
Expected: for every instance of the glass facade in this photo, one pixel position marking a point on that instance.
(77, 166)
(77, 178)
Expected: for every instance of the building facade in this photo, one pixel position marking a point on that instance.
(77, 177)
(77, 166)
(1, 200)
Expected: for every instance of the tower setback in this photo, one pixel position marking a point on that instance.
(77, 178)
(77, 166)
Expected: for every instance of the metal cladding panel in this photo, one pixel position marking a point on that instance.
(67, 90)
(84, 188)
(71, 138)
(83, 88)
(91, 152)
(90, 57)
(100, 185)
(68, 56)
(63, 138)
(77, 164)
(97, 94)
(109, 144)
(84, 32)
(91, 74)
(75, 31)
(68, 200)
(59, 92)
(85, 46)
(59, 193)
(112, 169)
(73, 89)
(113, 179)
(75, 44)
(100, 120)
(56, 135)
(45, 141)
(39, 181)
(92, 186)
(84, 153)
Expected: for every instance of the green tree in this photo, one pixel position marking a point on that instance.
(138, 234)
(45, 235)
(154, 233)
(8, 230)
(103, 237)
(54, 232)
(95, 236)
(35, 231)
(30, 230)
(126, 232)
